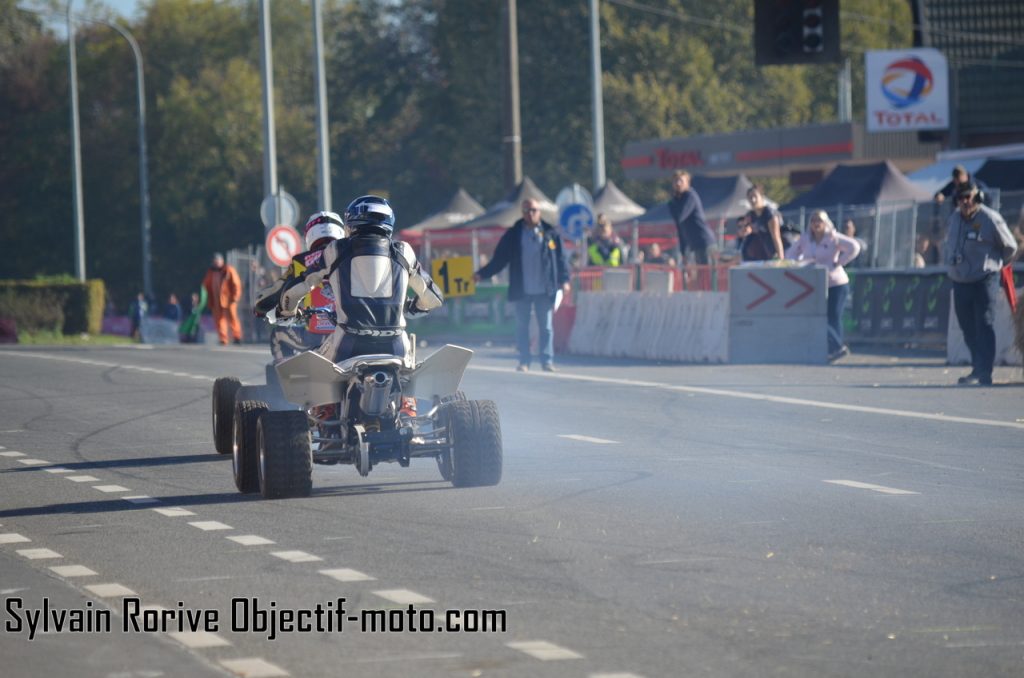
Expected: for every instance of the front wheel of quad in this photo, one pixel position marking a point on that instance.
(474, 434)
(245, 446)
(224, 390)
(285, 458)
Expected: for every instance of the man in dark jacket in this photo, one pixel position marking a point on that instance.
(532, 249)
(688, 212)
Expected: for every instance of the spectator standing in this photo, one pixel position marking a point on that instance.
(172, 309)
(223, 290)
(961, 180)
(688, 213)
(978, 245)
(850, 229)
(824, 246)
(606, 247)
(137, 310)
(764, 242)
(532, 249)
(655, 255)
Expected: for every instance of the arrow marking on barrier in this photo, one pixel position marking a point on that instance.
(769, 293)
(803, 283)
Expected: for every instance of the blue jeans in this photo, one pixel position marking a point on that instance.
(542, 305)
(836, 302)
(975, 311)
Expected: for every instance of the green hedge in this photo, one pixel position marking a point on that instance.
(54, 305)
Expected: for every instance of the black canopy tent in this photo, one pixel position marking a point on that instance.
(872, 184)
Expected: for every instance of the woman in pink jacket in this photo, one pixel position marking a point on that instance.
(821, 244)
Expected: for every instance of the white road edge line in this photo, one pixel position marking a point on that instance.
(868, 486)
(403, 597)
(296, 556)
(544, 651)
(927, 416)
(73, 571)
(253, 667)
(587, 439)
(38, 554)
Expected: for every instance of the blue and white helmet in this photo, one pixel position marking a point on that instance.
(323, 226)
(370, 213)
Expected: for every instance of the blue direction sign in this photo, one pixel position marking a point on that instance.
(575, 220)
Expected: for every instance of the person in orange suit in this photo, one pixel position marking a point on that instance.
(224, 289)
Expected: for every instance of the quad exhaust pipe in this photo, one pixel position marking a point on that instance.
(376, 393)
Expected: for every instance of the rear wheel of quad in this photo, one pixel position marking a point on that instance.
(285, 458)
(244, 447)
(224, 390)
(474, 432)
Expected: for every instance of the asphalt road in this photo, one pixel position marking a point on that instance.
(653, 520)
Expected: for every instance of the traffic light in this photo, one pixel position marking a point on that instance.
(796, 32)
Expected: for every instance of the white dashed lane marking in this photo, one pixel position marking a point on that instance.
(13, 538)
(109, 590)
(58, 469)
(82, 479)
(345, 574)
(34, 462)
(198, 639)
(588, 439)
(543, 650)
(38, 554)
(403, 597)
(111, 489)
(868, 486)
(73, 571)
(210, 525)
(250, 540)
(173, 512)
(12, 453)
(253, 667)
(615, 675)
(141, 499)
(296, 556)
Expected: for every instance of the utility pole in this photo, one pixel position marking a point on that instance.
(323, 165)
(512, 141)
(76, 154)
(597, 104)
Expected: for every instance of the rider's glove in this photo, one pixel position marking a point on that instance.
(411, 311)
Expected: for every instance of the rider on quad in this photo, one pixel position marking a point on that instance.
(369, 274)
(321, 228)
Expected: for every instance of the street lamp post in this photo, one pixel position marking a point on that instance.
(145, 223)
(76, 153)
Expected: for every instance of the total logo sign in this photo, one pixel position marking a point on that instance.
(906, 90)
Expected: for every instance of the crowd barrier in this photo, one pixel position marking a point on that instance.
(677, 327)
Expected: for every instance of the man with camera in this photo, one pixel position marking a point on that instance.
(978, 245)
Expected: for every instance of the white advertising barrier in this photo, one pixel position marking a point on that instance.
(778, 314)
(1006, 350)
(684, 327)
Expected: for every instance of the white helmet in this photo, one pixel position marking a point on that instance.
(323, 226)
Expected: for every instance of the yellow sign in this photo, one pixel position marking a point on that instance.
(454, 276)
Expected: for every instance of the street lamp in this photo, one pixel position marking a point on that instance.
(76, 153)
(144, 208)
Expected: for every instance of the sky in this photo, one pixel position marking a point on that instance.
(125, 8)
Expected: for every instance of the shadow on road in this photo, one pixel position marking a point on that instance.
(218, 498)
(126, 463)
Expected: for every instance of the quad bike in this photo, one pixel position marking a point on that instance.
(379, 408)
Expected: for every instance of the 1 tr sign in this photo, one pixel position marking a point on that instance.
(454, 276)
